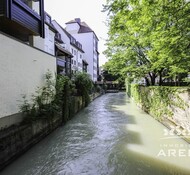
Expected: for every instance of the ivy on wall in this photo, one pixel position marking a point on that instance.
(159, 101)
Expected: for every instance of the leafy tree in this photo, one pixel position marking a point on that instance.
(83, 85)
(148, 39)
(109, 77)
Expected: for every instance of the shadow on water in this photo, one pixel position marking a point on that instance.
(134, 163)
(129, 158)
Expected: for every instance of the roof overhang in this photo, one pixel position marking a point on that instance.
(62, 51)
(85, 62)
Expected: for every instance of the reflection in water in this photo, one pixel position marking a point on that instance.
(110, 137)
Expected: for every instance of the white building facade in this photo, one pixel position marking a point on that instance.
(46, 44)
(87, 37)
(72, 45)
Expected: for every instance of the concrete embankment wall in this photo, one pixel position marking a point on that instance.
(22, 70)
(18, 138)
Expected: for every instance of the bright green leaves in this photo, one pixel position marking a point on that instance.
(149, 37)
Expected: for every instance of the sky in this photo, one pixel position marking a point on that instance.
(88, 11)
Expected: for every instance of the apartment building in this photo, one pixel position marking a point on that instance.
(87, 37)
(73, 46)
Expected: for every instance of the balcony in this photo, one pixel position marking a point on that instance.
(22, 18)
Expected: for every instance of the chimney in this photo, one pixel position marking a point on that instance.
(78, 20)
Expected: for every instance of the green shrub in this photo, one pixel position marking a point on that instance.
(57, 98)
(83, 85)
(65, 88)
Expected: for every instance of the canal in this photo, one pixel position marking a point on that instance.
(109, 137)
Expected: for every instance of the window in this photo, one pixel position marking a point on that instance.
(74, 52)
(79, 64)
(73, 41)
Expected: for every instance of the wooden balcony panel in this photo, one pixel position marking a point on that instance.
(26, 19)
(18, 19)
(2, 8)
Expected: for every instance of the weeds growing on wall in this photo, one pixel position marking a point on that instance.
(56, 98)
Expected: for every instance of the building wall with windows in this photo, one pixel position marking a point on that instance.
(86, 36)
(77, 55)
(88, 41)
(64, 37)
(72, 45)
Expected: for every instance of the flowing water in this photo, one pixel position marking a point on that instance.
(109, 137)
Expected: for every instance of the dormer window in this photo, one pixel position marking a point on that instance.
(73, 41)
(79, 45)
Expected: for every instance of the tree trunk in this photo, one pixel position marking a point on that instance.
(160, 78)
(147, 81)
(152, 78)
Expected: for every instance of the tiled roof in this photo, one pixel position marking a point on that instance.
(84, 28)
(64, 51)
